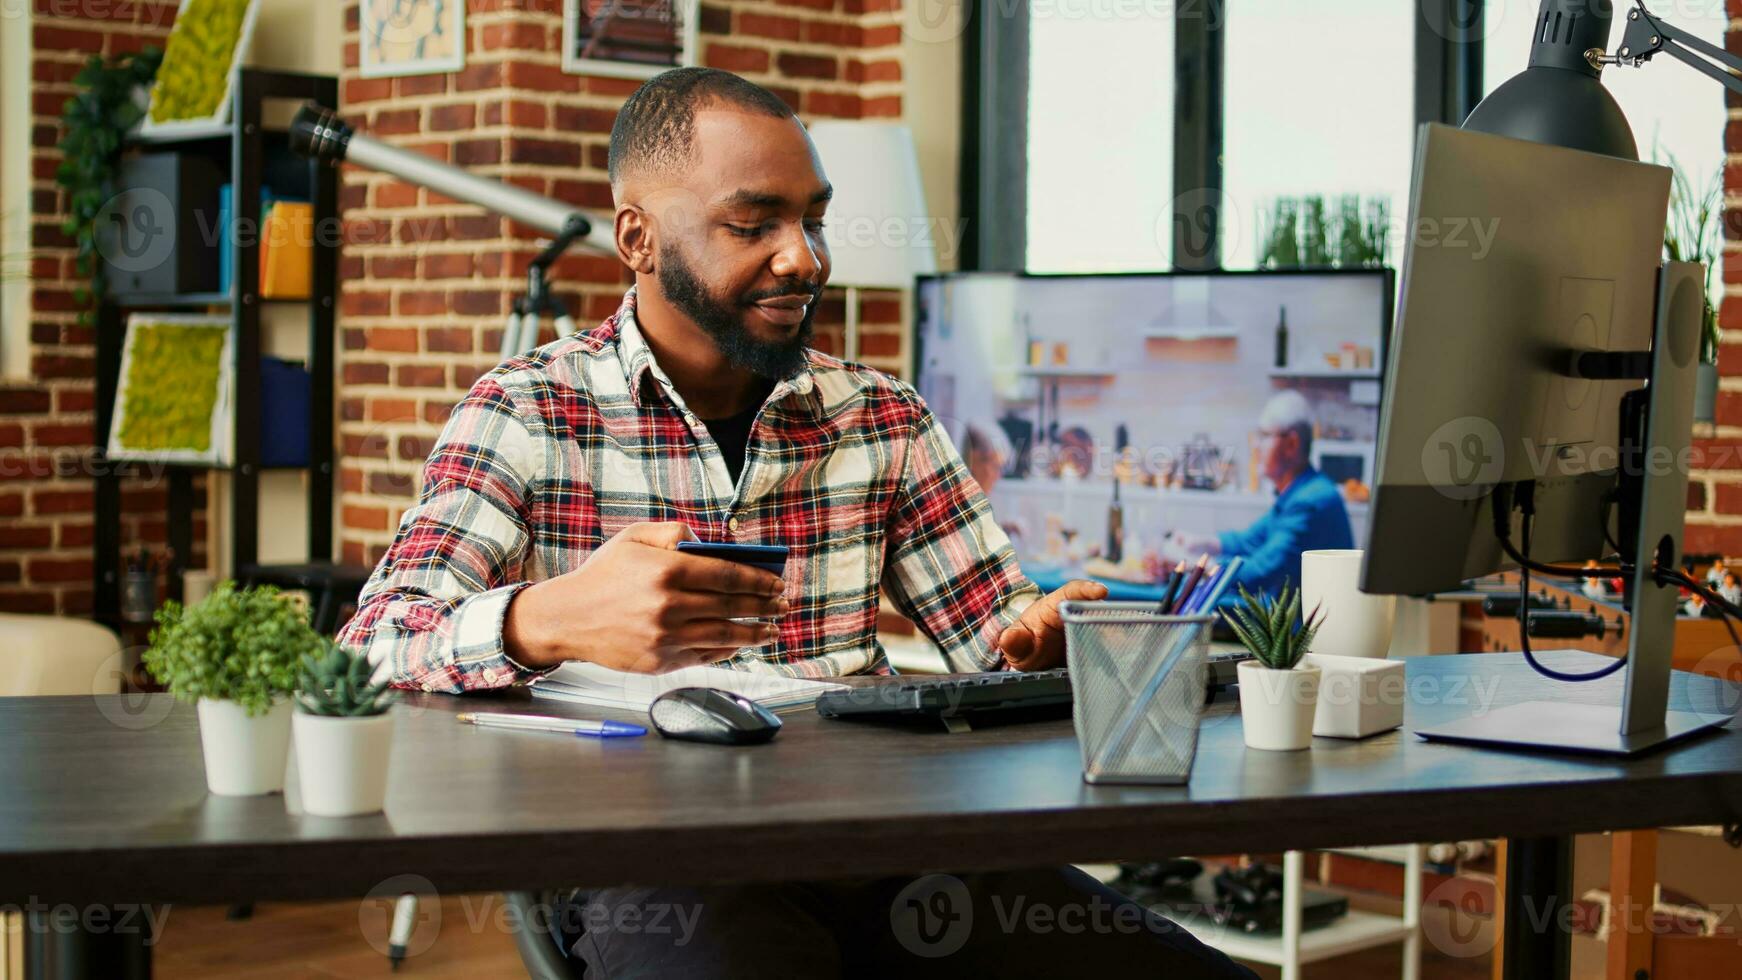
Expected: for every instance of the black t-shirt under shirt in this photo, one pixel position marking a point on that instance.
(733, 436)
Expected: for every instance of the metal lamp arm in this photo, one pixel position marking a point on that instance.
(1647, 36)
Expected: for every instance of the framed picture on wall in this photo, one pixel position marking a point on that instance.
(172, 401)
(209, 40)
(628, 38)
(411, 37)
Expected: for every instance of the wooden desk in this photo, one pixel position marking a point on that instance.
(96, 813)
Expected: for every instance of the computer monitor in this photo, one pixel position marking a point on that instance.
(1559, 257)
(1104, 413)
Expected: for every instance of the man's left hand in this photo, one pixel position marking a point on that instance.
(1037, 640)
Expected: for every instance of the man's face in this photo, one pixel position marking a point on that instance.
(740, 247)
(1279, 453)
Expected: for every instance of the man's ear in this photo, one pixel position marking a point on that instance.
(635, 239)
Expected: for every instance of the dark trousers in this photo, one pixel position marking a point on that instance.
(1052, 922)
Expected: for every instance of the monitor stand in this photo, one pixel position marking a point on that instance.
(1642, 722)
(1557, 726)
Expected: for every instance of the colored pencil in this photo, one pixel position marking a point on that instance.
(1190, 583)
(1221, 586)
(1173, 577)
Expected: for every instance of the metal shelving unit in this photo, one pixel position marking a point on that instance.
(249, 151)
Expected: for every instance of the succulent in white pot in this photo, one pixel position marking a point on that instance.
(344, 734)
(1279, 693)
(234, 654)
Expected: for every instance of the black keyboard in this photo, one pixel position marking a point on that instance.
(960, 703)
(957, 702)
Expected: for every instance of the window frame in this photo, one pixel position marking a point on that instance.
(994, 172)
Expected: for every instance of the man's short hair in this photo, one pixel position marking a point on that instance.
(1289, 411)
(655, 129)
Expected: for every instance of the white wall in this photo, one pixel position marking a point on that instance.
(14, 190)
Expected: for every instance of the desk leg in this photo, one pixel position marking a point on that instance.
(56, 949)
(1537, 942)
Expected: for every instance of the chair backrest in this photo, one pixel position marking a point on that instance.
(57, 655)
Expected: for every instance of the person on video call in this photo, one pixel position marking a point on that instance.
(552, 504)
(1308, 515)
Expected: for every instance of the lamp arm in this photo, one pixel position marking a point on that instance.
(1647, 36)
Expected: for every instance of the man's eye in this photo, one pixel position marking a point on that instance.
(813, 225)
(747, 231)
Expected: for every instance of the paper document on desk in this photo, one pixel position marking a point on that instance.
(585, 683)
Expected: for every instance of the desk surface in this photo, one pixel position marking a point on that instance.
(99, 803)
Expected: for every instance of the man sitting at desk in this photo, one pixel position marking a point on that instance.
(1308, 515)
(555, 497)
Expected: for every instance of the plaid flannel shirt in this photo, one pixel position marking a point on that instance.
(555, 451)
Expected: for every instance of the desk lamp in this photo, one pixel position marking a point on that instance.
(878, 228)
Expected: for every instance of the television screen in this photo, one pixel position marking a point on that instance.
(1123, 423)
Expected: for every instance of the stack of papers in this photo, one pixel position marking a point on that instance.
(602, 687)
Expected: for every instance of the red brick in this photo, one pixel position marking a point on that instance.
(61, 501)
(883, 107)
(392, 484)
(394, 194)
(396, 339)
(581, 118)
(415, 85)
(365, 518)
(472, 227)
(540, 77)
(18, 538)
(11, 436)
(620, 87)
(454, 265)
(373, 445)
(76, 534)
(769, 25)
(448, 340)
(527, 115)
(714, 20)
(1696, 495)
(396, 122)
(392, 410)
(63, 434)
(360, 302)
(392, 267)
(26, 601)
(447, 118)
(415, 448)
(477, 152)
(834, 34)
(23, 401)
(551, 153)
(56, 39)
(519, 36)
(477, 302)
(837, 105)
(1717, 454)
(420, 302)
(55, 570)
(11, 505)
(420, 376)
(873, 71)
(366, 373)
(881, 37)
(733, 58)
(1701, 538)
(880, 345)
(473, 78)
(367, 90)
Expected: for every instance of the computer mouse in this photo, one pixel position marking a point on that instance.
(702, 714)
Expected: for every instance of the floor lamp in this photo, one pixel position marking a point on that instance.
(879, 230)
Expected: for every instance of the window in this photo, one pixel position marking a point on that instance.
(1677, 113)
(1100, 136)
(1301, 120)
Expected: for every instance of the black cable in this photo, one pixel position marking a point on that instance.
(1524, 622)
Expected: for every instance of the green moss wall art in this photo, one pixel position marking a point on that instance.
(208, 40)
(173, 401)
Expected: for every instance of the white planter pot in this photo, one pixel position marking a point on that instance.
(245, 756)
(1277, 706)
(341, 763)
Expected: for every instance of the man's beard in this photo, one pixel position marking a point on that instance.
(723, 320)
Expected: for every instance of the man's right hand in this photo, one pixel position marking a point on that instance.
(639, 604)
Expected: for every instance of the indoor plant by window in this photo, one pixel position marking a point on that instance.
(235, 654)
(1278, 693)
(344, 734)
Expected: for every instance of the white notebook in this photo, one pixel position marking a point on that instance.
(585, 683)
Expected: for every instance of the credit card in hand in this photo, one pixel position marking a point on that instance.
(768, 557)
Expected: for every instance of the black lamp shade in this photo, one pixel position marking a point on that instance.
(1560, 99)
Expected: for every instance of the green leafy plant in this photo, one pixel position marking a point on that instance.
(1271, 627)
(93, 125)
(1693, 236)
(196, 64)
(335, 683)
(236, 644)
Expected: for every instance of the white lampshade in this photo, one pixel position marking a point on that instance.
(879, 230)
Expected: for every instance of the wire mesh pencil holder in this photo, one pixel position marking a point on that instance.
(1137, 680)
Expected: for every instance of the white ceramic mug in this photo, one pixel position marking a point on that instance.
(1353, 623)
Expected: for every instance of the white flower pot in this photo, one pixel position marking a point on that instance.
(341, 763)
(245, 756)
(1277, 706)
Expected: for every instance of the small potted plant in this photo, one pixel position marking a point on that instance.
(1278, 693)
(235, 654)
(344, 734)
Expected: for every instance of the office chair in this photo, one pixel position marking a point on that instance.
(537, 940)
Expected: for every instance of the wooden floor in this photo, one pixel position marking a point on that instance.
(469, 939)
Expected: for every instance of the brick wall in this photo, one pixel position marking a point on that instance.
(46, 421)
(427, 282)
(1715, 485)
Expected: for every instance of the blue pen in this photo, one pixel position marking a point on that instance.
(1220, 585)
(551, 723)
